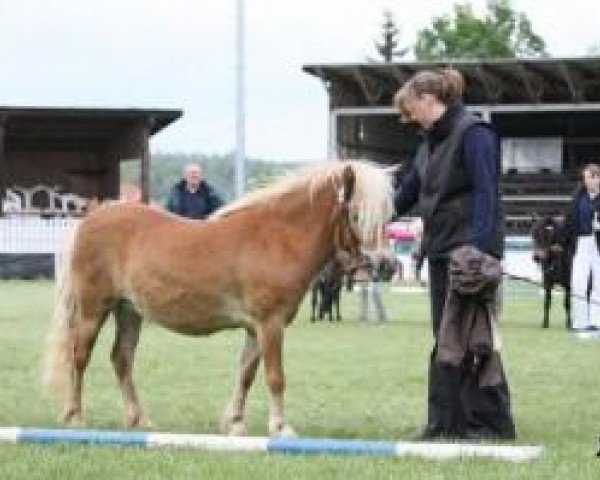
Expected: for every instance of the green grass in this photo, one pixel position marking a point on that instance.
(349, 380)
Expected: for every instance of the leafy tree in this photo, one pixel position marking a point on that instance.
(500, 33)
(388, 46)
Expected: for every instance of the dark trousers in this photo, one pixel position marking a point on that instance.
(457, 405)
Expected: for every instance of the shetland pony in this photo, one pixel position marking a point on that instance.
(247, 266)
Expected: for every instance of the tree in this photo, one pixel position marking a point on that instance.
(388, 46)
(501, 33)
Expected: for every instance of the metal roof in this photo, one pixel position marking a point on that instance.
(490, 82)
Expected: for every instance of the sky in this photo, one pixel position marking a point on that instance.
(181, 54)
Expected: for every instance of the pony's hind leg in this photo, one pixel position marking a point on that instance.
(128, 323)
(86, 330)
(233, 421)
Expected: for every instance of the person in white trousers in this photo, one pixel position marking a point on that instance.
(582, 229)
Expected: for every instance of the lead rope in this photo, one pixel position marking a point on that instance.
(541, 285)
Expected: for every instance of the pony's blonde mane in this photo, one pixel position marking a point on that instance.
(270, 194)
(371, 202)
(373, 198)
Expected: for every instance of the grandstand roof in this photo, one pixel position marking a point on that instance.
(490, 82)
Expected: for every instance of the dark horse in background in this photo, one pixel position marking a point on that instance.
(326, 289)
(376, 266)
(555, 260)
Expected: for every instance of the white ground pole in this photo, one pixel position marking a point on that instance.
(319, 446)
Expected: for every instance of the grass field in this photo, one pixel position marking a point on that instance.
(349, 380)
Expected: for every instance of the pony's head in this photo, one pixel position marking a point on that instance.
(364, 205)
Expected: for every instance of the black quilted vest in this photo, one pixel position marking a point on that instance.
(446, 193)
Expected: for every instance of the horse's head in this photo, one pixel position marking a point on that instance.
(545, 234)
(364, 205)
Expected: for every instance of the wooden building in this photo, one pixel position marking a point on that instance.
(78, 150)
(52, 160)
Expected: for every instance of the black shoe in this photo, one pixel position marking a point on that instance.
(477, 436)
(430, 433)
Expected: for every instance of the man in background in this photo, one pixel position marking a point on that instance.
(192, 196)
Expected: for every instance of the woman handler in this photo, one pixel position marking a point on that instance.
(454, 181)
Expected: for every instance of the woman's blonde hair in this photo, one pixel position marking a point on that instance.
(446, 85)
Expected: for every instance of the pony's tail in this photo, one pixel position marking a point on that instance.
(59, 364)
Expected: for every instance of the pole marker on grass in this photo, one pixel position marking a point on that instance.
(222, 443)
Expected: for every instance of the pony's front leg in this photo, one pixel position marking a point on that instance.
(233, 421)
(270, 340)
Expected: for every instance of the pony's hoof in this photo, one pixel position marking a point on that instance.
(232, 425)
(140, 422)
(237, 429)
(73, 420)
(287, 432)
(283, 431)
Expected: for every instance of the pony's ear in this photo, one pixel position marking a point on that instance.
(348, 181)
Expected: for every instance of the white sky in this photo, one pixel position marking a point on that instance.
(181, 54)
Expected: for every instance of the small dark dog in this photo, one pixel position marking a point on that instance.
(326, 290)
(327, 286)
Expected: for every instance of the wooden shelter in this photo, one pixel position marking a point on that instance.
(78, 150)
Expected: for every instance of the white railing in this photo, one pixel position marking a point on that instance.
(30, 234)
(33, 234)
